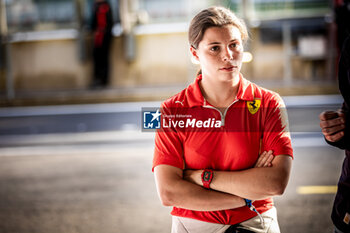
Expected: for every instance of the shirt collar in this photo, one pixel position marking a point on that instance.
(195, 97)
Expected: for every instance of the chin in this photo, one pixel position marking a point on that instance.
(229, 77)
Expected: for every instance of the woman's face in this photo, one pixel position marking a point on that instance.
(220, 53)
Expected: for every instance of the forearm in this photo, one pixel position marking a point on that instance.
(183, 194)
(254, 183)
(191, 196)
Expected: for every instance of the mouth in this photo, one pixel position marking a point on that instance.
(228, 68)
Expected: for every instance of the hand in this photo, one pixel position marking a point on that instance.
(265, 159)
(332, 124)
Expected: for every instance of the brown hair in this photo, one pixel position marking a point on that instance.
(213, 17)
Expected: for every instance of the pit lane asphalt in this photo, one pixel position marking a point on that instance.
(101, 180)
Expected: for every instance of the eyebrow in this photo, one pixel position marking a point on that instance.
(216, 43)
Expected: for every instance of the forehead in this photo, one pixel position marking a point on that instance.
(222, 34)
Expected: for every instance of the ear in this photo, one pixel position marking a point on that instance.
(194, 53)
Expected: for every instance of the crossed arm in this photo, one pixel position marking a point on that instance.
(256, 183)
(183, 189)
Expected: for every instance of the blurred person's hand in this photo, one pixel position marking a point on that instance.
(332, 124)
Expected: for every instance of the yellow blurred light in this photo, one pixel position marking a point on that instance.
(329, 189)
(247, 57)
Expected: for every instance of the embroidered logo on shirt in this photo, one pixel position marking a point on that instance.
(253, 106)
(347, 218)
(179, 102)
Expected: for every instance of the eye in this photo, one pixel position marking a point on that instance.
(234, 45)
(214, 48)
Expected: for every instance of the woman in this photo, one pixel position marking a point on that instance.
(210, 174)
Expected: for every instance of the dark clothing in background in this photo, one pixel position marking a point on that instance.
(102, 24)
(342, 19)
(341, 207)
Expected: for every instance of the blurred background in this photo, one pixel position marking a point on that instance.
(46, 46)
(73, 157)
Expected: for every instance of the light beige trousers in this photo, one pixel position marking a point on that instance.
(188, 225)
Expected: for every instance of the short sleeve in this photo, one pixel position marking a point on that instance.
(168, 145)
(276, 135)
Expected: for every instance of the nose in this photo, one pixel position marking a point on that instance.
(227, 54)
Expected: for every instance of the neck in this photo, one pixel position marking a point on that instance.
(219, 94)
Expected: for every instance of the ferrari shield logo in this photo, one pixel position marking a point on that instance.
(253, 106)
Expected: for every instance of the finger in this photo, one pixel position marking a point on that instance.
(333, 130)
(268, 162)
(342, 115)
(269, 158)
(261, 160)
(331, 123)
(335, 137)
(340, 111)
(327, 115)
(265, 159)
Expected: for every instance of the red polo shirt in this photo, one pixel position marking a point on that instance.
(195, 135)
